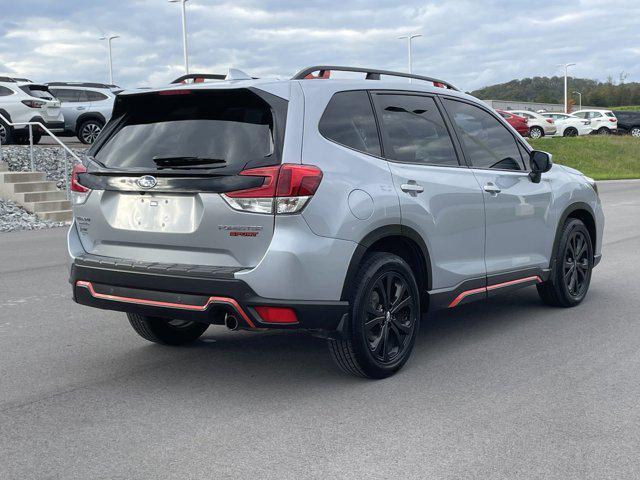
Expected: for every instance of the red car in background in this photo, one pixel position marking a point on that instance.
(516, 121)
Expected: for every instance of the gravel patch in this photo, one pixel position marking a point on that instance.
(13, 218)
(46, 159)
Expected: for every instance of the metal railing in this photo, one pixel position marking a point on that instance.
(66, 150)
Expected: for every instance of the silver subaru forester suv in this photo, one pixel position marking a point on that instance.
(348, 208)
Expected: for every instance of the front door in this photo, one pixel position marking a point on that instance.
(519, 226)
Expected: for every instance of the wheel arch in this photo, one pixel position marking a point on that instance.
(5, 114)
(582, 211)
(399, 240)
(89, 116)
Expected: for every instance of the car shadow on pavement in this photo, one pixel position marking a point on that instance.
(266, 359)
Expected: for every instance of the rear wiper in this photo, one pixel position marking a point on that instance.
(188, 162)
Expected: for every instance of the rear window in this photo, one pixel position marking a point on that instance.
(37, 92)
(196, 130)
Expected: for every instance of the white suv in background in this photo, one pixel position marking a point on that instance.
(569, 125)
(603, 122)
(24, 101)
(539, 126)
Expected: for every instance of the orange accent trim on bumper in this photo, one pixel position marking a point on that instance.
(495, 286)
(155, 303)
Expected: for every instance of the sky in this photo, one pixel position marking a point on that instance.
(468, 43)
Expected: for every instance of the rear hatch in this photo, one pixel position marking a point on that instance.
(157, 174)
(48, 105)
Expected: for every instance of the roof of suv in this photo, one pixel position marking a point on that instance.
(280, 87)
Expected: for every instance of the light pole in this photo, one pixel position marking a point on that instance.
(409, 38)
(109, 38)
(580, 96)
(184, 33)
(566, 68)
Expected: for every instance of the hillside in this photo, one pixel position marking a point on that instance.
(549, 90)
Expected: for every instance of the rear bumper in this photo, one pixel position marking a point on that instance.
(189, 296)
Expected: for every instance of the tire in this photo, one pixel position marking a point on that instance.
(166, 332)
(635, 132)
(570, 132)
(536, 132)
(23, 139)
(571, 276)
(603, 131)
(382, 327)
(6, 134)
(89, 130)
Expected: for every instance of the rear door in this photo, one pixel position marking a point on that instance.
(519, 225)
(161, 168)
(439, 197)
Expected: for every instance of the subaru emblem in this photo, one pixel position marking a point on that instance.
(147, 181)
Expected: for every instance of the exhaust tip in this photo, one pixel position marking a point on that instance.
(231, 322)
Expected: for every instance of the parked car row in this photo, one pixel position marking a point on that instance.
(66, 108)
(582, 122)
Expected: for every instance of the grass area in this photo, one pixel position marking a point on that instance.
(633, 108)
(601, 157)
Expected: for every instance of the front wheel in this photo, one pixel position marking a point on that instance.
(573, 262)
(166, 332)
(384, 321)
(604, 131)
(635, 132)
(536, 132)
(570, 132)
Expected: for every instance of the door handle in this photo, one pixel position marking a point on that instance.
(492, 189)
(411, 187)
(80, 108)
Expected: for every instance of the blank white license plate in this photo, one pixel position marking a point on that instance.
(155, 213)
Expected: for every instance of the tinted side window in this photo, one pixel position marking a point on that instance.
(414, 131)
(95, 96)
(487, 143)
(5, 92)
(349, 121)
(66, 94)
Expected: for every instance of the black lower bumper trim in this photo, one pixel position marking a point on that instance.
(204, 299)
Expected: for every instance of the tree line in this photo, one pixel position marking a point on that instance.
(550, 90)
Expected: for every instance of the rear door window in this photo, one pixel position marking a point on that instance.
(487, 143)
(95, 96)
(195, 130)
(414, 131)
(4, 91)
(67, 94)
(349, 121)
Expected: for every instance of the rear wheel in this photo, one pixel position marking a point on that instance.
(166, 332)
(573, 262)
(384, 320)
(570, 132)
(635, 132)
(603, 131)
(89, 131)
(536, 132)
(6, 134)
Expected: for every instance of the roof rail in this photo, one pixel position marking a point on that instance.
(23, 80)
(80, 84)
(324, 71)
(7, 80)
(199, 77)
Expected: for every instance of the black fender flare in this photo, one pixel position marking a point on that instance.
(5, 114)
(379, 234)
(563, 218)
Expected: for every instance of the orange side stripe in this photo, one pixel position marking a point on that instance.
(495, 286)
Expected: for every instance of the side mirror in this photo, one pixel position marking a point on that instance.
(540, 162)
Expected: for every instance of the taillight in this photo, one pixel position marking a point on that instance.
(277, 314)
(174, 92)
(613, 119)
(79, 193)
(549, 120)
(285, 189)
(34, 103)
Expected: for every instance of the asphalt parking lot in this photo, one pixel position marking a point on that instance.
(506, 389)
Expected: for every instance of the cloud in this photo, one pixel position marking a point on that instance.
(470, 43)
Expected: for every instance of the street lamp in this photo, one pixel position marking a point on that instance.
(409, 38)
(566, 68)
(184, 32)
(109, 38)
(580, 96)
